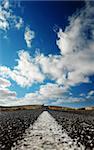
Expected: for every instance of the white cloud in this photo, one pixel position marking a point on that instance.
(73, 66)
(82, 95)
(6, 4)
(51, 66)
(49, 93)
(60, 102)
(46, 92)
(29, 35)
(4, 71)
(4, 83)
(76, 45)
(90, 94)
(79, 30)
(25, 73)
(6, 93)
(7, 18)
(7, 97)
(19, 23)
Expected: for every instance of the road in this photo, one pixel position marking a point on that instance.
(46, 134)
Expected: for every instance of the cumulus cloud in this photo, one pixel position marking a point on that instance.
(91, 93)
(4, 83)
(51, 66)
(76, 44)
(64, 99)
(77, 54)
(7, 97)
(7, 18)
(80, 29)
(25, 73)
(6, 4)
(29, 35)
(74, 65)
(19, 23)
(58, 68)
(49, 93)
(6, 93)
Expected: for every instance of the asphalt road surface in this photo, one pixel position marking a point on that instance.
(46, 134)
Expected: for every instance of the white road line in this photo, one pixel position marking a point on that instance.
(46, 134)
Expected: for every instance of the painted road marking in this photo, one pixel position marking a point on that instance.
(46, 134)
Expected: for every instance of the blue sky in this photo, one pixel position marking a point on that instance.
(47, 53)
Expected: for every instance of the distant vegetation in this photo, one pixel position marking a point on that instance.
(30, 107)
